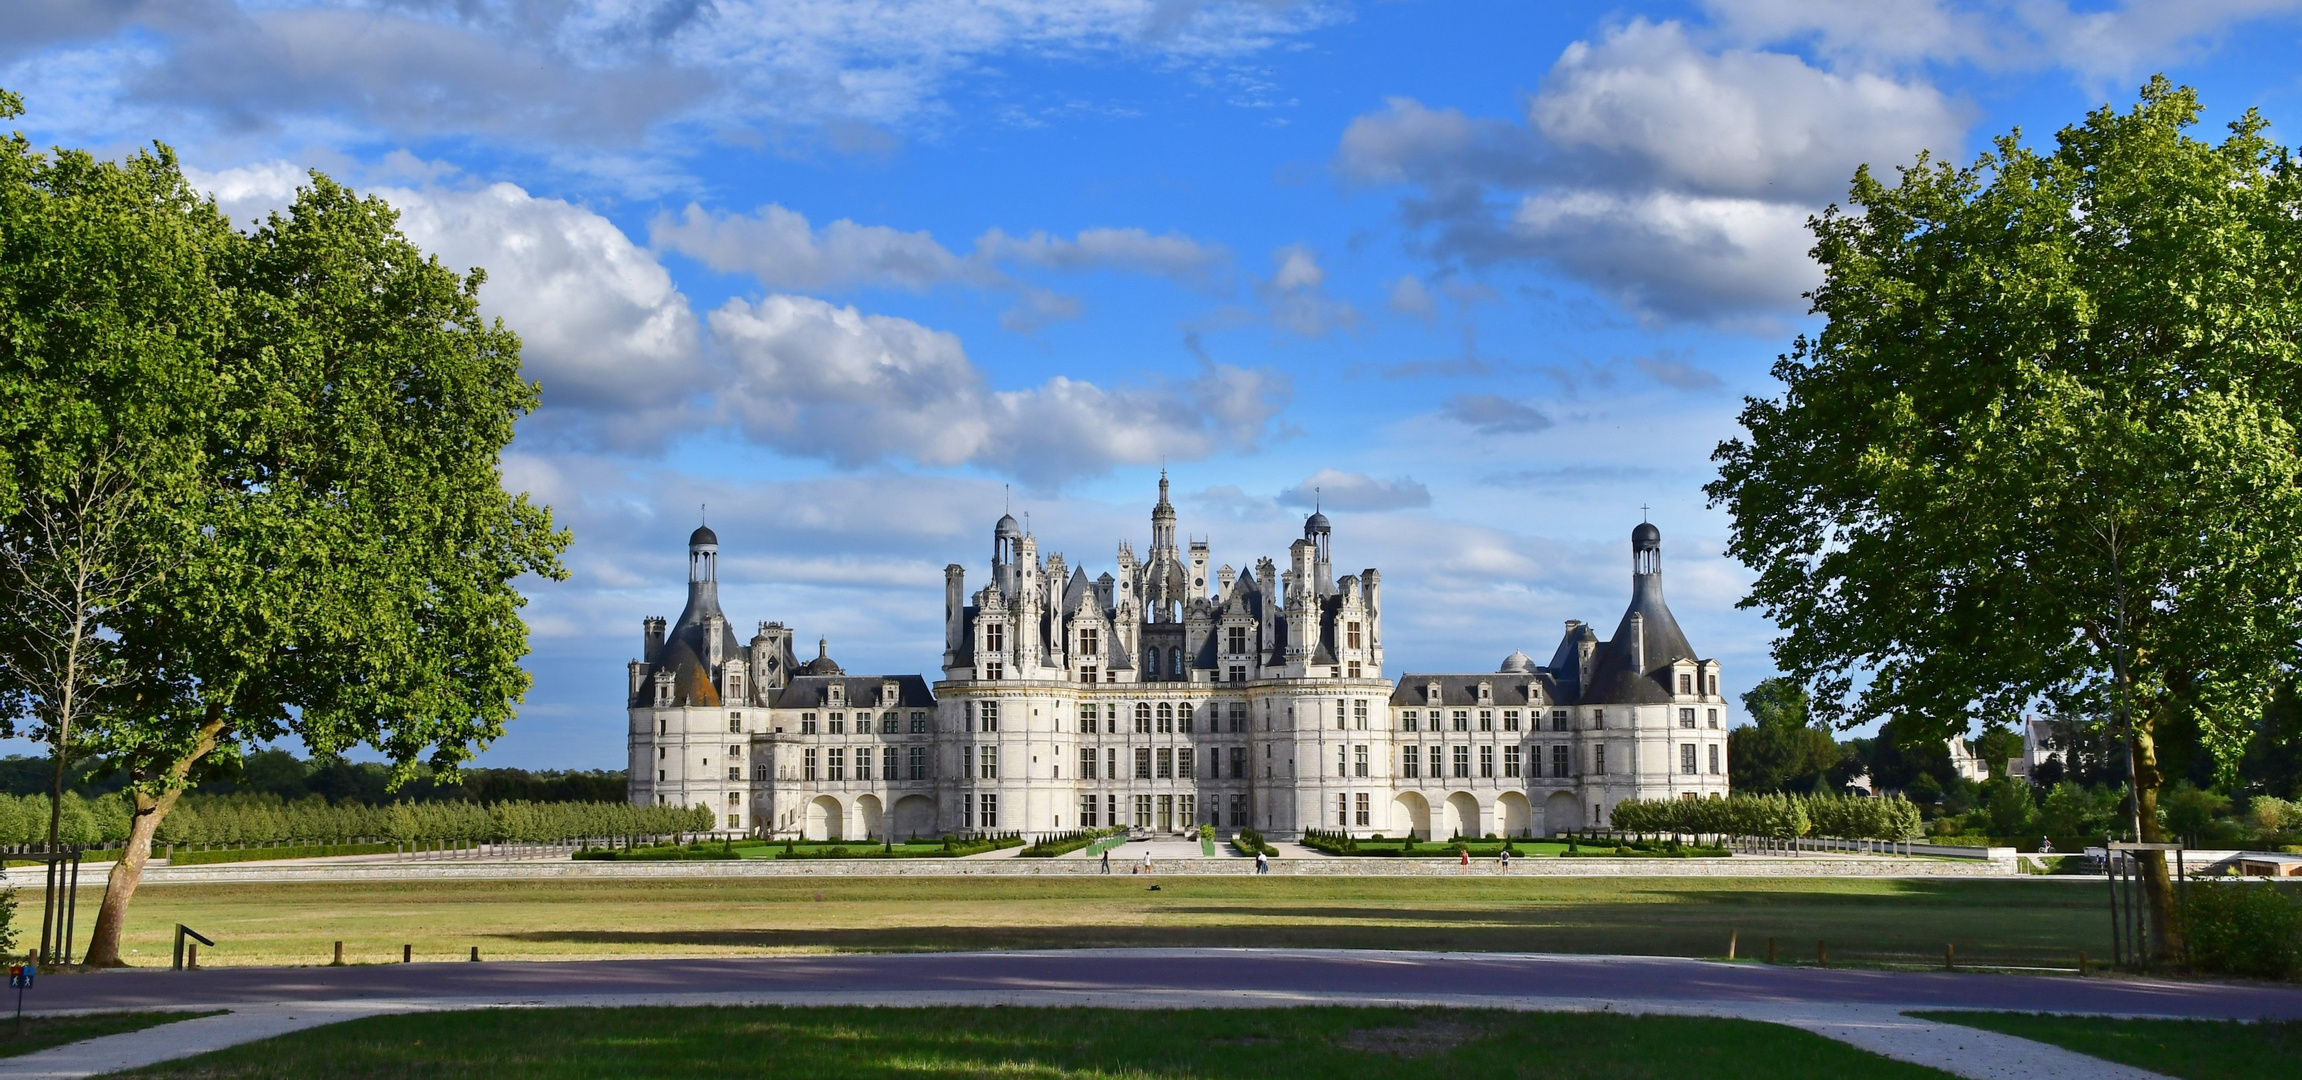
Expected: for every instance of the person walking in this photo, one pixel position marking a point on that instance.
(1106, 860)
(1146, 862)
(1466, 858)
(1506, 858)
(1262, 863)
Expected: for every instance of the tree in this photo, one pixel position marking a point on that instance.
(297, 432)
(109, 324)
(1780, 751)
(2043, 448)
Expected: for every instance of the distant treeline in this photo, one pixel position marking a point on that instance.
(291, 779)
(240, 820)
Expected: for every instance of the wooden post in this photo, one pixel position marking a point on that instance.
(1949, 956)
(2082, 963)
(475, 954)
(407, 954)
(339, 955)
(1731, 936)
(191, 956)
(1770, 950)
(1821, 953)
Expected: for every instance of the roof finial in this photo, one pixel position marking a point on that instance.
(703, 510)
(1642, 513)
(1007, 501)
(1318, 500)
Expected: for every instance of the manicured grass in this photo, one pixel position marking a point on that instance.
(925, 1044)
(2031, 921)
(42, 1032)
(2188, 1049)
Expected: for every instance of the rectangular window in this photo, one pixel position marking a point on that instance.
(990, 715)
(1353, 668)
(1238, 716)
(1342, 760)
(1463, 762)
(1359, 715)
(1186, 810)
(988, 814)
(1185, 766)
(994, 637)
(1487, 762)
(1235, 640)
(1364, 814)
(863, 763)
(1410, 761)
(1714, 686)
(835, 764)
(1687, 758)
(1558, 719)
(1143, 764)
(1686, 684)
(1686, 718)
(919, 763)
(1087, 763)
(966, 761)
(1342, 811)
(760, 772)
(1238, 673)
(1510, 761)
(919, 723)
(1714, 759)
(1462, 719)
(1090, 642)
(887, 764)
(1142, 811)
(1351, 641)
(1238, 763)
(1238, 810)
(887, 724)
(1166, 718)
(836, 724)
(995, 671)
(807, 723)
(1599, 760)
(1486, 719)
(1166, 813)
(1339, 724)
(735, 723)
(1183, 719)
(1559, 765)
(1598, 719)
(1714, 718)
(1166, 763)
(808, 768)
(1111, 763)
(1359, 761)
(989, 758)
(1142, 718)
(1087, 808)
(1510, 719)
(1408, 720)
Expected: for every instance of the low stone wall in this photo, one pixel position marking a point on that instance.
(1735, 866)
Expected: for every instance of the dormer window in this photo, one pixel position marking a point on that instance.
(1486, 692)
(836, 693)
(1351, 636)
(663, 690)
(994, 638)
(1686, 682)
(1431, 694)
(1090, 641)
(888, 694)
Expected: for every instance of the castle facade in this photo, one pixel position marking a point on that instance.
(1163, 695)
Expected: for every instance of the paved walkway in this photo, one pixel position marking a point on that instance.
(1863, 1008)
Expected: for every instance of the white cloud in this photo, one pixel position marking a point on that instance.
(1668, 253)
(1409, 296)
(1495, 415)
(1339, 490)
(2117, 40)
(781, 250)
(1296, 297)
(1171, 255)
(819, 380)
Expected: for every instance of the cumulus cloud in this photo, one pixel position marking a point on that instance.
(1677, 374)
(1296, 295)
(1494, 414)
(1409, 296)
(1339, 490)
(781, 250)
(819, 380)
(1170, 255)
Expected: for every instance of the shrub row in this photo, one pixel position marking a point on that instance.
(1250, 842)
(1783, 817)
(1064, 843)
(245, 820)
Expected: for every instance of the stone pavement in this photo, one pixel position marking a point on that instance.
(1862, 1008)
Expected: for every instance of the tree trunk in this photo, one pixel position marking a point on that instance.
(2157, 883)
(120, 885)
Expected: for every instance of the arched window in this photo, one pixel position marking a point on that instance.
(1175, 662)
(1150, 662)
(1166, 717)
(1143, 717)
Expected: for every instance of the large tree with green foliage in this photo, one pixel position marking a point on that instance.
(1779, 750)
(336, 546)
(2045, 445)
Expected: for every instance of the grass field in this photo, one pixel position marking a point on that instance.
(42, 1032)
(2187, 1049)
(2012, 922)
(929, 1044)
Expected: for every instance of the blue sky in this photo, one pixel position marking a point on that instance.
(1492, 276)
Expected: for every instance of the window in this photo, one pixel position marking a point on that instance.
(1463, 761)
(835, 764)
(759, 772)
(887, 764)
(1142, 718)
(1088, 674)
(1183, 719)
(735, 772)
(1186, 810)
(1238, 763)
(734, 820)
(1351, 640)
(1714, 686)
(735, 723)
(1175, 662)
(1510, 761)
(919, 723)
(1238, 673)
(1339, 724)
(1186, 766)
(1363, 814)
(1487, 761)
(1142, 811)
(1686, 683)
(1090, 642)
(1166, 812)
(1087, 716)
(808, 764)
(1238, 717)
(919, 763)
(1687, 758)
(988, 815)
(1410, 761)
(1486, 719)
(1235, 640)
(863, 763)
(1559, 762)
(989, 759)
(1359, 715)
(735, 798)
(990, 715)
(1238, 810)
(1462, 720)
(1111, 763)
(995, 671)
(1510, 719)
(1598, 719)
(887, 724)
(1599, 760)
(1714, 718)
(1166, 763)
(1151, 661)
(994, 638)
(1087, 808)
(1359, 762)
(1342, 761)
(807, 723)
(1087, 763)
(1686, 718)
(1408, 720)
(1166, 718)
(1354, 668)
(1714, 759)
(1142, 763)
(1342, 811)
(837, 724)
(1558, 719)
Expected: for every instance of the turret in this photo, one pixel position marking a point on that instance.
(1320, 535)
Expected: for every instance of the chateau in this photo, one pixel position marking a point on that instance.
(1163, 695)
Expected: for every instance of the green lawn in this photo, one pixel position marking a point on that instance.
(2029, 921)
(42, 1032)
(928, 1044)
(2187, 1049)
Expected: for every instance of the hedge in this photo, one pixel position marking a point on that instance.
(242, 820)
(1783, 817)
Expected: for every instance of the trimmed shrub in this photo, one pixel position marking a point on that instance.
(2252, 929)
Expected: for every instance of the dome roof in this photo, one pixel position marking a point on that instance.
(1646, 535)
(823, 664)
(703, 536)
(1316, 521)
(1007, 526)
(1518, 663)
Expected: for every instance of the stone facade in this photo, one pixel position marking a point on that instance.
(1165, 695)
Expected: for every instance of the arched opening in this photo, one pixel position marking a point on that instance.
(825, 819)
(867, 818)
(1515, 814)
(914, 816)
(1462, 814)
(1562, 812)
(1411, 812)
